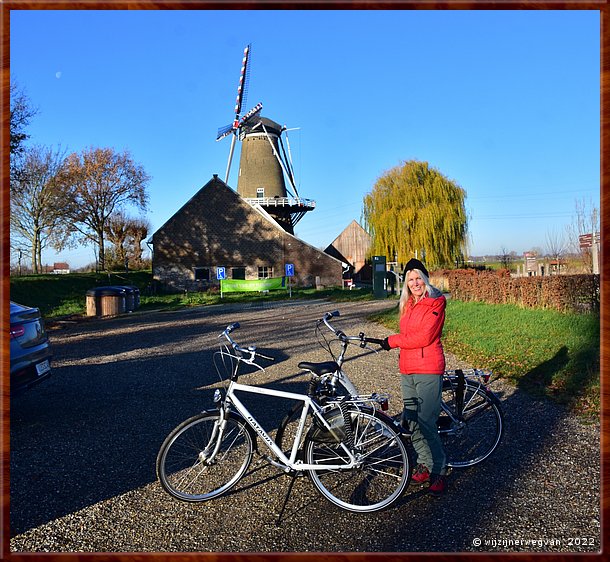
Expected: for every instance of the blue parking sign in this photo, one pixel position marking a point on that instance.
(289, 270)
(221, 273)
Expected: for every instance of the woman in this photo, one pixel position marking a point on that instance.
(422, 363)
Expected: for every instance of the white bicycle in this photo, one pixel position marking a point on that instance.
(353, 456)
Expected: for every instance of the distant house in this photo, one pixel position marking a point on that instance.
(218, 228)
(352, 246)
(60, 268)
(557, 266)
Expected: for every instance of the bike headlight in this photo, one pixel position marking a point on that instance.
(217, 396)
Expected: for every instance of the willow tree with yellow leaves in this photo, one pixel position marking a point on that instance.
(414, 210)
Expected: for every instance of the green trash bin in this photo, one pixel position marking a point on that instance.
(379, 277)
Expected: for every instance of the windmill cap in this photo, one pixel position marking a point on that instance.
(271, 126)
(414, 263)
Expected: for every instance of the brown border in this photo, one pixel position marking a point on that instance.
(7, 5)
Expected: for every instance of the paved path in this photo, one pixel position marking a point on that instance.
(83, 449)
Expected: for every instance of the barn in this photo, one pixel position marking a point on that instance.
(219, 228)
(352, 247)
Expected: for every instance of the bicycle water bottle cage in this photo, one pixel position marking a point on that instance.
(319, 368)
(337, 431)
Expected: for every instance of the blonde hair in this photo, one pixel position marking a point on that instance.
(406, 296)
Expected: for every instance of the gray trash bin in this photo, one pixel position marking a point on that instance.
(132, 297)
(129, 298)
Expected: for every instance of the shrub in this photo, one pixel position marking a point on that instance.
(577, 293)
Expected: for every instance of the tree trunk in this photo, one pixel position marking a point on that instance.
(101, 251)
(35, 253)
(137, 249)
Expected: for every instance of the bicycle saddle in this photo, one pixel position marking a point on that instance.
(319, 368)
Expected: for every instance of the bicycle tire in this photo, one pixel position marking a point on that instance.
(474, 439)
(186, 475)
(379, 481)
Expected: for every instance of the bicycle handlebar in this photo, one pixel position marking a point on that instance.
(344, 337)
(373, 340)
(250, 349)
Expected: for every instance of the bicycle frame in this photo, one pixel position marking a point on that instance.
(247, 355)
(464, 381)
(309, 406)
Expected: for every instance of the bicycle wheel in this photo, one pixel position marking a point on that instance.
(473, 439)
(382, 474)
(187, 467)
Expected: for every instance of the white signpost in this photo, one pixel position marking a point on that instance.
(221, 273)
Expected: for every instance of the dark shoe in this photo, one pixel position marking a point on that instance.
(421, 474)
(438, 485)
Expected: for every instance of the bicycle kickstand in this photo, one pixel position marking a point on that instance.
(293, 477)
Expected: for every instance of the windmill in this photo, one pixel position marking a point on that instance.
(263, 160)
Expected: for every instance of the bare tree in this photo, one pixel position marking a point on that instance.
(505, 257)
(117, 232)
(126, 235)
(21, 114)
(102, 182)
(556, 246)
(37, 200)
(138, 231)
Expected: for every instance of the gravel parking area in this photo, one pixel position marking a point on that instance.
(84, 444)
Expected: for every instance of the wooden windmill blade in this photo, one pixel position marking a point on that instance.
(224, 132)
(238, 121)
(288, 168)
(250, 114)
(242, 88)
(288, 144)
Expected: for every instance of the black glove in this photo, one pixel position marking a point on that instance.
(385, 344)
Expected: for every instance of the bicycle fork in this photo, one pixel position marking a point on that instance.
(208, 455)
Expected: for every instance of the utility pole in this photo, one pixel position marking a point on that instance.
(594, 252)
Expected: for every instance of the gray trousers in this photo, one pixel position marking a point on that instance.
(421, 395)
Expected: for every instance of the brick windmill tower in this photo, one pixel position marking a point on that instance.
(264, 163)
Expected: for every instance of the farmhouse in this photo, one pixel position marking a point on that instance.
(218, 228)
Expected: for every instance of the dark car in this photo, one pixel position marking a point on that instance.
(30, 348)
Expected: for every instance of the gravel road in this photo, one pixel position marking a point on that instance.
(84, 443)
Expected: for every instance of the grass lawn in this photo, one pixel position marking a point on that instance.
(65, 295)
(545, 352)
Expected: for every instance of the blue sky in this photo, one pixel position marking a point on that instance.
(505, 103)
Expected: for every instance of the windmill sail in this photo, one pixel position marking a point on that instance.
(238, 121)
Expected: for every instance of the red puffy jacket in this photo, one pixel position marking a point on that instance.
(419, 340)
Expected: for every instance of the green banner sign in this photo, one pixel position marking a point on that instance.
(241, 285)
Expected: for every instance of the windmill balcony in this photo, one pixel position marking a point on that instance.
(282, 202)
